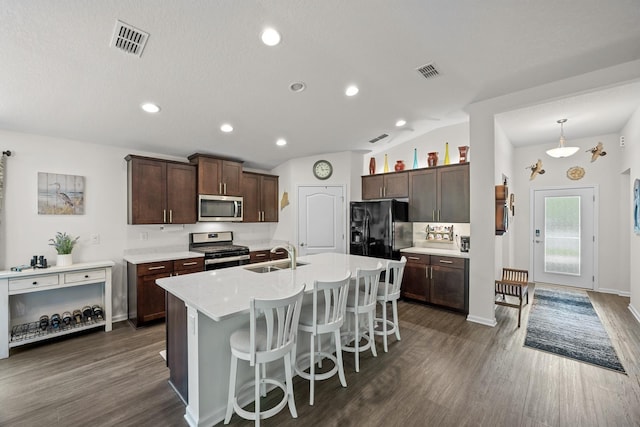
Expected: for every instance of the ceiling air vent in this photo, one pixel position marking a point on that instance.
(428, 71)
(129, 39)
(378, 138)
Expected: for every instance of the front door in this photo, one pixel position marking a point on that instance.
(321, 223)
(563, 236)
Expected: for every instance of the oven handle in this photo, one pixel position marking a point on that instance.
(226, 259)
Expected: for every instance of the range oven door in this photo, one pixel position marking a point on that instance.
(224, 262)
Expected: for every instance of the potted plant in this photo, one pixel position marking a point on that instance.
(64, 245)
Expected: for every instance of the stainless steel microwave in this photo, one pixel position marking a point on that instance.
(219, 208)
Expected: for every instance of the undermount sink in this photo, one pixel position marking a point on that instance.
(284, 265)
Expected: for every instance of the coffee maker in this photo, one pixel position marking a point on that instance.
(465, 242)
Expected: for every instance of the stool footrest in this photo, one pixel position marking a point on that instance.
(248, 415)
(321, 376)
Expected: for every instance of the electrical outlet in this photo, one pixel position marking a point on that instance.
(144, 235)
(94, 239)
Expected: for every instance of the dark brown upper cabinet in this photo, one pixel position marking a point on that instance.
(218, 177)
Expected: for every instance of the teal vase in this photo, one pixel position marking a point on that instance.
(415, 158)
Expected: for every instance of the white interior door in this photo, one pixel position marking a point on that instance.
(564, 236)
(321, 224)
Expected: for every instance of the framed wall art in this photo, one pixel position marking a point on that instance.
(636, 206)
(60, 194)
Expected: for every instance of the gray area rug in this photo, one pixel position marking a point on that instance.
(565, 323)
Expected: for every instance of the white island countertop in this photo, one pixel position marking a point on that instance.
(436, 251)
(226, 292)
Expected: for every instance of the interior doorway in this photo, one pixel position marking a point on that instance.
(321, 223)
(563, 230)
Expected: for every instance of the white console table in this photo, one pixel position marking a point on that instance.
(28, 294)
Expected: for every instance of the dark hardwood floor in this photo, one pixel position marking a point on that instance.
(445, 372)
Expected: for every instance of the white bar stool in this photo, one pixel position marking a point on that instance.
(271, 335)
(325, 315)
(389, 291)
(362, 300)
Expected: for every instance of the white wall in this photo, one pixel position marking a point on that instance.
(631, 162)
(25, 233)
(456, 135)
(603, 173)
(504, 168)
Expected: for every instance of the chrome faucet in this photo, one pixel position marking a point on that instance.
(291, 251)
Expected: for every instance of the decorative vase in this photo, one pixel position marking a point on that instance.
(399, 166)
(64, 260)
(432, 159)
(415, 158)
(372, 166)
(446, 153)
(464, 149)
(386, 164)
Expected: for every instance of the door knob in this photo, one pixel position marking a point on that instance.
(302, 244)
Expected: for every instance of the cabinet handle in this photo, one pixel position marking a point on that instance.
(260, 255)
(380, 191)
(384, 191)
(156, 268)
(438, 215)
(34, 283)
(279, 252)
(219, 188)
(414, 257)
(184, 264)
(171, 216)
(433, 215)
(431, 268)
(86, 276)
(443, 261)
(225, 188)
(164, 215)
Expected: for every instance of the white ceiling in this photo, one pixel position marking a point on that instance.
(204, 64)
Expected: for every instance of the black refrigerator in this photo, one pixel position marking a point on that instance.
(380, 229)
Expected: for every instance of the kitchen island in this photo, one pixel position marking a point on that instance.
(217, 303)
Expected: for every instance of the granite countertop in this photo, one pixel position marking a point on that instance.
(260, 245)
(437, 251)
(223, 293)
(155, 256)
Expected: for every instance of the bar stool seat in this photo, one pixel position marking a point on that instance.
(324, 315)
(362, 301)
(389, 292)
(270, 336)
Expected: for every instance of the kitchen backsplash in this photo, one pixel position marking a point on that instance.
(420, 235)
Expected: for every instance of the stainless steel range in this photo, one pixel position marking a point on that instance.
(218, 249)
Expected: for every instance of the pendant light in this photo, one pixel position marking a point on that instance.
(561, 150)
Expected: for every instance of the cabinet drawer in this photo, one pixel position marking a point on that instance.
(447, 261)
(155, 268)
(33, 282)
(259, 256)
(417, 258)
(83, 276)
(188, 264)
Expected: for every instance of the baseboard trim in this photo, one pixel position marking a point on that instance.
(119, 318)
(482, 320)
(635, 313)
(613, 291)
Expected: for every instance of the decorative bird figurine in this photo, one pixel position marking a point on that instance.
(535, 169)
(596, 152)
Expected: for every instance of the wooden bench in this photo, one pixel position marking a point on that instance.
(513, 283)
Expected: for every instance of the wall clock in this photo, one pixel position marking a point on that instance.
(322, 169)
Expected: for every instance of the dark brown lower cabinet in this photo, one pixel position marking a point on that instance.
(177, 357)
(146, 300)
(438, 280)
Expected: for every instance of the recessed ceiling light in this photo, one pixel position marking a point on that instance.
(226, 128)
(270, 37)
(351, 90)
(150, 107)
(281, 142)
(401, 123)
(297, 86)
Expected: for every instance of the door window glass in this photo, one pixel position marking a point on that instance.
(562, 235)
